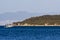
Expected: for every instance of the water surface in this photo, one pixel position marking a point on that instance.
(30, 33)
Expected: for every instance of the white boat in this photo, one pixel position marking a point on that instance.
(8, 25)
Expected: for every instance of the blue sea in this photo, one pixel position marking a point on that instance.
(30, 33)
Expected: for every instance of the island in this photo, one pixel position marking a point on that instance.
(45, 20)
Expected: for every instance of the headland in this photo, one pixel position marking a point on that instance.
(45, 20)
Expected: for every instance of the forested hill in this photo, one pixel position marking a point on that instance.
(41, 20)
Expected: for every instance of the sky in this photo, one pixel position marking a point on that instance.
(30, 6)
(38, 6)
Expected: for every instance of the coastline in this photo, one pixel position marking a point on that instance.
(45, 20)
(31, 25)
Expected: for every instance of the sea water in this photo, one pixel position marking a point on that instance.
(30, 33)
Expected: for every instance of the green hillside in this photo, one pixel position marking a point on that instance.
(41, 20)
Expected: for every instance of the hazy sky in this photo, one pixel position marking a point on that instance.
(35, 7)
(30, 5)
